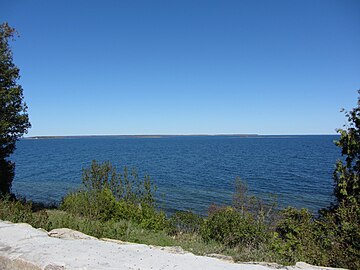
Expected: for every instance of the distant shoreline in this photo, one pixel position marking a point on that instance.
(159, 136)
(155, 136)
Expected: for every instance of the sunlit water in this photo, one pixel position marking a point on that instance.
(190, 172)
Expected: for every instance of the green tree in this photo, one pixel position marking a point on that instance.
(341, 222)
(346, 174)
(14, 120)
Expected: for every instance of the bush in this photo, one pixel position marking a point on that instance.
(152, 219)
(108, 195)
(99, 205)
(185, 222)
(96, 228)
(21, 211)
(341, 234)
(14, 210)
(298, 237)
(232, 228)
(341, 221)
(126, 186)
(263, 211)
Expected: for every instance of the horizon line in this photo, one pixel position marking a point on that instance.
(173, 135)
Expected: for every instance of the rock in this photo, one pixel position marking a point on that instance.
(42, 230)
(7, 263)
(64, 233)
(54, 267)
(174, 249)
(267, 264)
(220, 257)
(116, 241)
(306, 266)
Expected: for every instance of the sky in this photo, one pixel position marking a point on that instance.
(186, 67)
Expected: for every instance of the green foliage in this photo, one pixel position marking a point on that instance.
(293, 224)
(232, 228)
(98, 205)
(96, 228)
(246, 229)
(297, 237)
(346, 175)
(341, 221)
(334, 237)
(185, 222)
(348, 232)
(14, 120)
(124, 230)
(21, 211)
(341, 235)
(108, 195)
(126, 186)
(262, 211)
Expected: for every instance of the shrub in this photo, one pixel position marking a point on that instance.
(297, 237)
(341, 221)
(185, 222)
(90, 204)
(153, 220)
(232, 228)
(341, 235)
(21, 211)
(108, 195)
(126, 186)
(263, 211)
(14, 210)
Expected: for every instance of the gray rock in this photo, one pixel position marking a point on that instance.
(64, 233)
(221, 257)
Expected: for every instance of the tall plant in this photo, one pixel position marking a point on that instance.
(14, 120)
(347, 173)
(341, 222)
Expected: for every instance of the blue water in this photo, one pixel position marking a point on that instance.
(190, 172)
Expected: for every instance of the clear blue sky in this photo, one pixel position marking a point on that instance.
(186, 67)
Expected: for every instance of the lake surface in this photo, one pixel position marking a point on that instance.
(191, 172)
